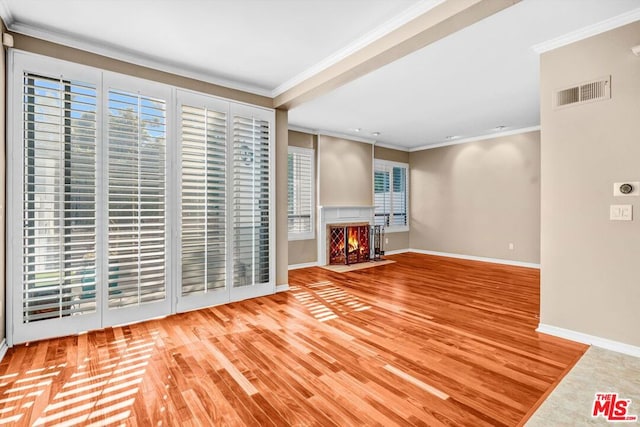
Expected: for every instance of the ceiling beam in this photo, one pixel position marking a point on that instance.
(444, 19)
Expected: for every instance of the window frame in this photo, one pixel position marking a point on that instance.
(311, 234)
(388, 165)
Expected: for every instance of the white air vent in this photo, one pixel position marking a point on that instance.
(595, 90)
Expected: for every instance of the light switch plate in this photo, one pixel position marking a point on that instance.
(621, 212)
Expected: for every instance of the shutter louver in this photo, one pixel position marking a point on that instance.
(250, 201)
(59, 228)
(204, 195)
(382, 197)
(137, 174)
(300, 191)
(399, 196)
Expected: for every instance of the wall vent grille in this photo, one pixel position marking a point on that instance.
(595, 90)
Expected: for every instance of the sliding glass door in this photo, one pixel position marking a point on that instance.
(137, 249)
(225, 202)
(54, 230)
(252, 212)
(130, 199)
(203, 146)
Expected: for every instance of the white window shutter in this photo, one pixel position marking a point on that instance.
(251, 170)
(399, 196)
(59, 227)
(204, 199)
(137, 181)
(390, 185)
(300, 207)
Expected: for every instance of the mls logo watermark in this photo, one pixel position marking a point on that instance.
(613, 409)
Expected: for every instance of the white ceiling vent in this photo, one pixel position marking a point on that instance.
(594, 90)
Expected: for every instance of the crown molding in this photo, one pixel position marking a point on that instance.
(136, 58)
(331, 134)
(392, 146)
(346, 136)
(303, 129)
(588, 31)
(393, 24)
(476, 138)
(5, 14)
(411, 149)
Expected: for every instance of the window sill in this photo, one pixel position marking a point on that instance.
(301, 236)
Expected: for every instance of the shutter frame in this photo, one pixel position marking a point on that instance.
(301, 193)
(136, 154)
(204, 185)
(391, 195)
(59, 232)
(251, 198)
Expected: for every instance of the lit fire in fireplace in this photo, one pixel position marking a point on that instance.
(357, 241)
(354, 244)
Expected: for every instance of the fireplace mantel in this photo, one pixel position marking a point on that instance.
(339, 215)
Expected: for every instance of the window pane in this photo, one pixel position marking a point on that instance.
(137, 174)
(250, 201)
(204, 193)
(382, 197)
(300, 190)
(390, 194)
(59, 231)
(399, 196)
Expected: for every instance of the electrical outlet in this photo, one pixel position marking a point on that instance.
(511, 246)
(386, 240)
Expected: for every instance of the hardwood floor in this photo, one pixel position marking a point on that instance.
(424, 341)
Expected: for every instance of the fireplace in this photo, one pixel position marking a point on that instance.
(340, 217)
(349, 243)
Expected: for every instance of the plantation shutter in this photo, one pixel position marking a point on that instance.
(59, 213)
(204, 196)
(399, 196)
(108, 221)
(390, 193)
(300, 192)
(382, 195)
(136, 209)
(250, 200)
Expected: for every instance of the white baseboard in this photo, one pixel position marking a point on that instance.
(444, 254)
(605, 343)
(397, 251)
(3, 349)
(478, 258)
(282, 288)
(303, 265)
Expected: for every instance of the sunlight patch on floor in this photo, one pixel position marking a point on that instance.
(326, 301)
(94, 393)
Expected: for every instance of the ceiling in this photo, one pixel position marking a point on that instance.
(467, 85)
(255, 45)
(463, 86)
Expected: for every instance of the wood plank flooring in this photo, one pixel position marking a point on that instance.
(424, 341)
